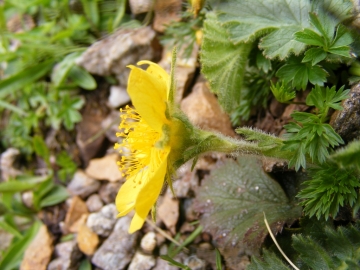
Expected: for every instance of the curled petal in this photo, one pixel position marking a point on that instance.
(149, 96)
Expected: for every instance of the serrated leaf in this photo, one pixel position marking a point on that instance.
(248, 20)
(309, 250)
(349, 156)
(271, 261)
(280, 43)
(315, 55)
(301, 73)
(233, 199)
(223, 63)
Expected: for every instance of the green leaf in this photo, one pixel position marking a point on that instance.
(10, 228)
(13, 256)
(233, 199)
(82, 78)
(315, 55)
(318, 246)
(270, 261)
(280, 43)
(329, 188)
(223, 63)
(349, 156)
(41, 149)
(24, 77)
(171, 261)
(325, 98)
(22, 183)
(309, 250)
(301, 73)
(248, 20)
(57, 195)
(309, 37)
(85, 265)
(63, 68)
(282, 92)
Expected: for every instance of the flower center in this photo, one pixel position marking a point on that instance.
(139, 140)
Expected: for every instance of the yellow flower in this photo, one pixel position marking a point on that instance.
(146, 144)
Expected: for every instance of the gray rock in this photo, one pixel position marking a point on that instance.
(118, 249)
(7, 160)
(83, 185)
(163, 265)
(68, 256)
(109, 191)
(140, 6)
(148, 242)
(94, 203)
(118, 96)
(102, 223)
(111, 125)
(195, 263)
(142, 262)
(347, 122)
(111, 55)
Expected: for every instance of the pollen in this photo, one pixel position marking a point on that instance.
(138, 140)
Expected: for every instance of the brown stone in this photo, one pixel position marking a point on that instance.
(168, 212)
(87, 240)
(38, 253)
(104, 168)
(165, 13)
(203, 110)
(76, 210)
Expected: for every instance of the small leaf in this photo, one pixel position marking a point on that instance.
(41, 149)
(233, 199)
(63, 68)
(82, 78)
(24, 77)
(22, 183)
(57, 195)
(309, 37)
(349, 156)
(315, 55)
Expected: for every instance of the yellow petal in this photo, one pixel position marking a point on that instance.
(149, 96)
(152, 186)
(126, 197)
(158, 72)
(136, 223)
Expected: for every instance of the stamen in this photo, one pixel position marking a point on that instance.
(139, 138)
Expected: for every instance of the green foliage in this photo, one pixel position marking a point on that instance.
(325, 248)
(67, 166)
(182, 34)
(233, 208)
(323, 36)
(223, 63)
(282, 92)
(299, 73)
(279, 19)
(329, 188)
(13, 256)
(348, 157)
(309, 135)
